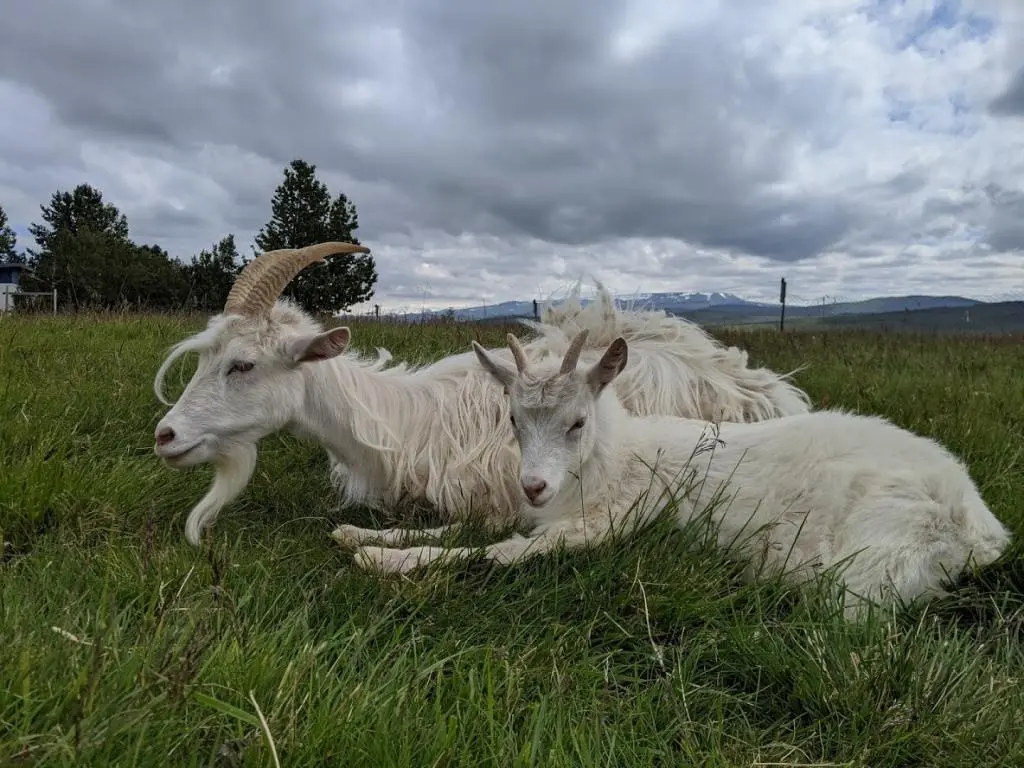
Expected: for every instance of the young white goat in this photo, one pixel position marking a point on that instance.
(798, 494)
(439, 433)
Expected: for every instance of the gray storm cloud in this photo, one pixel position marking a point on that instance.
(742, 140)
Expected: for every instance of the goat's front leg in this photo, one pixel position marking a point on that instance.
(573, 534)
(353, 535)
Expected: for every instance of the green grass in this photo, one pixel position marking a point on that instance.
(122, 645)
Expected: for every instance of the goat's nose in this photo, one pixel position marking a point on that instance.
(164, 435)
(533, 487)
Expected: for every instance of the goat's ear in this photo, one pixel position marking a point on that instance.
(321, 346)
(609, 366)
(503, 373)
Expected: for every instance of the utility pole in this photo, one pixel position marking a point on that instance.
(782, 300)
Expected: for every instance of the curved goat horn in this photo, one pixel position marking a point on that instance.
(517, 353)
(573, 355)
(265, 277)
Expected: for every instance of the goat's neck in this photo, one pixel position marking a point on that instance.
(355, 412)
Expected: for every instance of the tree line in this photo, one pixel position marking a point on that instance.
(82, 248)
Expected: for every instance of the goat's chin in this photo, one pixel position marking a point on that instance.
(233, 470)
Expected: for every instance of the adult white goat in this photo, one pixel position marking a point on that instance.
(796, 494)
(438, 433)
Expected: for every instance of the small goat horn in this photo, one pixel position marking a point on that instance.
(517, 353)
(573, 355)
(265, 277)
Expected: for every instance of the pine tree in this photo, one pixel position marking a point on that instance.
(71, 212)
(303, 214)
(211, 274)
(85, 253)
(8, 240)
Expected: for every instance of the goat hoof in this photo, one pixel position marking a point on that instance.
(347, 535)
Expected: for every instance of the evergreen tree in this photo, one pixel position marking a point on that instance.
(211, 274)
(86, 268)
(8, 240)
(152, 279)
(85, 253)
(302, 213)
(71, 212)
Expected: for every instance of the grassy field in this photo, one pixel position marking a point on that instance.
(122, 645)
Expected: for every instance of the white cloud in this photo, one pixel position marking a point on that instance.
(492, 155)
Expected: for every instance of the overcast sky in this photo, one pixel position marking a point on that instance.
(497, 150)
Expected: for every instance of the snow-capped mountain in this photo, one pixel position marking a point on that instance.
(670, 302)
(725, 304)
(693, 300)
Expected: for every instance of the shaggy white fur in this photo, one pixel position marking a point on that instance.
(440, 432)
(792, 495)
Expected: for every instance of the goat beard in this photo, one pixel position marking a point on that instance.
(232, 472)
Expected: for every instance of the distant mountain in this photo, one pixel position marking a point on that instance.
(670, 302)
(883, 304)
(687, 300)
(721, 305)
(988, 318)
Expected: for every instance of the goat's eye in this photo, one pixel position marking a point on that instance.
(240, 368)
(578, 425)
(512, 419)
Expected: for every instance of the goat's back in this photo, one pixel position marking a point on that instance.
(834, 473)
